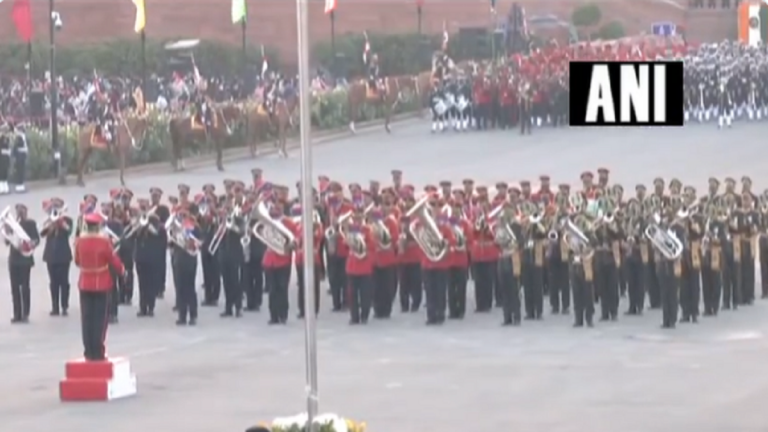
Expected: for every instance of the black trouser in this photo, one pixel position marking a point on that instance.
(186, 301)
(114, 296)
(484, 274)
(731, 282)
(383, 290)
(711, 283)
(254, 283)
(147, 286)
(410, 287)
(160, 277)
(211, 278)
(457, 291)
(93, 319)
(233, 290)
(559, 289)
(510, 286)
(5, 167)
(690, 293)
(126, 284)
(360, 302)
(583, 295)
(58, 275)
(278, 279)
(747, 271)
(608, 283)
(533, 289)
(764, 266)
(635, 273)
(670, 284)
(20, 292)
(436, 289)
(20, 169)
(652, 286)
(300, 280)
(337, 278)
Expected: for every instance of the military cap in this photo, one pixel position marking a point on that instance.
(603, 171)
(20, 207)
(90, 197)
(675, 183)
(374, 184)
(730, 181)
(335, 187)
(397, 173)
(525, 184)
(564, 186)
(746, 180)
(228, 183)
(459, 192)
(587, 175)
(658, 181)
(354, 187)
(184, 189)
(481, 190)
(445, 184)
(93, 218)
(468, 182)
(514, 190)
(209, 188)
(155, 191)
(502, 185)
(714, 181)
(640, 188)
(430, 189)
(256, 172)
(544, 178)
(689, 190)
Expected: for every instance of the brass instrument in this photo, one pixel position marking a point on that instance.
(382, 234)
(14, 234)
(664, 240)
(276, 236)
(114, 238)
(577, 241)
(331, 233)
(426, 233)
(355, 241)
(141, 222)
(503, 233)
(181, 237)
(54, 215)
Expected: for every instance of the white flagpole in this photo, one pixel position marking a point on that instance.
(307, 211)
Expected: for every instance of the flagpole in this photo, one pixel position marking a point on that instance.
(243, 47)
(333, 36)
(419, 14)
(54, 94)
(307, 211)
(143, 38)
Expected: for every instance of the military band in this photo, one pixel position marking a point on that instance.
(390, 243)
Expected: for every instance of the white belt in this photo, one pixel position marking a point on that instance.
(6, 152)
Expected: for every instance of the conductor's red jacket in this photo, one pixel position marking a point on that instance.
(95, 256)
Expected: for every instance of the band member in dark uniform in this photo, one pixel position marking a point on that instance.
(510, 264)
(208, 225)
(558, 255)
(690, 293)
(582, 274)
(118, 221)
(57, 253)
(20, 263)
(150, 249)
(361, 245)
(459, 271)
(185, 262)
(231, 257)
(299, 261)
(5, 159)
(163, 213)
(96, 259)
(670, 273)
(277, 269)
(636, 261)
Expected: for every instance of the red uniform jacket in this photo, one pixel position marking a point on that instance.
(318, 237)
(444, 263)
(94, 255)
(388, 257)
(273, 259)
(342, 249)
(460, 258)
(363, 266)
(411, 254)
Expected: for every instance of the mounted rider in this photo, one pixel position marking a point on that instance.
(441, 62)
(371, 61)
(273, 85)
(203, 113)
(102, 108)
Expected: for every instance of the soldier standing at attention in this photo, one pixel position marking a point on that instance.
(96, 259)
(57, 254)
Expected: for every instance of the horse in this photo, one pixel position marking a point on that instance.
(261, 123)
(387, 96)
(185, 129)
(129, 133)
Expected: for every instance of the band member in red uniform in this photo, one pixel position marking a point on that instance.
(337, 249)
(436, 272)
(544, 194)
(483, 252)
(277, 270)
(94, 256)
(409, 259)
(459, 271)
(361, 244)
(299, 260)
(386, 232)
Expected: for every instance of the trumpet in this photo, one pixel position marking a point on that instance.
(14, 234)
(141, 222)
(54, 215)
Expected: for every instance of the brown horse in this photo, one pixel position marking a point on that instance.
(386, 96)
(129, 133)
(261, 124)
(184, 130)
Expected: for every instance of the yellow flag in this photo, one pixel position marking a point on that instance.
(141, 16)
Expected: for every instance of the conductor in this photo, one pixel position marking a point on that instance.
(94, 255)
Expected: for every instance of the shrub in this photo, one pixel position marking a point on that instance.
(588, 15)
(611, 30)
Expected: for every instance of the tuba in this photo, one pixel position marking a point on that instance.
(355, 241)
(577, 241)
(276, 236)
(426, 234)
(665, 241)
(14, 234)
(181, 237)
(503, 234)
(382, 234)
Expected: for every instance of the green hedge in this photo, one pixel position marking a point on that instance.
(329, 111)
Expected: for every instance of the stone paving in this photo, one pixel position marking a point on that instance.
(399, 375)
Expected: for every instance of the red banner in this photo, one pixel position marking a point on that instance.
(22, 19)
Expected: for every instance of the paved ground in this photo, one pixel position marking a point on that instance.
(546, 376)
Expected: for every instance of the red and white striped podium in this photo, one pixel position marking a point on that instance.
(97, 380)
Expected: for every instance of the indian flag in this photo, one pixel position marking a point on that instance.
(753, 23)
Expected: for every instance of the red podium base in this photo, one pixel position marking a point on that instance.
(97, 380)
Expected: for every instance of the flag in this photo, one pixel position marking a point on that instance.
(22, 19)
(264, 63)
(366, 48)
(239, 11)
(446, 37)
(523, 23)
(141, 16)
(493, 5)
(753, 23)
(330, 6)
